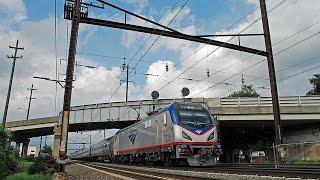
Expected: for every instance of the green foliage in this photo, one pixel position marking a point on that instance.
(43, 164)
(4, 136)
(46, 151)
(25, 176)
(316, 85)
(246, 91)
(28, 158)
(24, 166)
(8, 157)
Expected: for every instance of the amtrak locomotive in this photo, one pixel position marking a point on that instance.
(181, 133)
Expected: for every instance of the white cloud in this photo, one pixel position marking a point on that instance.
(13, 9)
(282, 25)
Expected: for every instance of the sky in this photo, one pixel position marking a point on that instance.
(44, 33)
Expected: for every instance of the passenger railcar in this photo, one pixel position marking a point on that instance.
(182, 133)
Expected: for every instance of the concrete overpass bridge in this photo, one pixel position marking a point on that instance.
(230, 112)
(236, 116)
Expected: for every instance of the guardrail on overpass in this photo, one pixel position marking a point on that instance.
(267, 101)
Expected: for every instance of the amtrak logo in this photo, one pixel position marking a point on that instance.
(132, 137)
(198, 131)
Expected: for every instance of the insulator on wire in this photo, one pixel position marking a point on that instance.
(208, 73)
(167, 67)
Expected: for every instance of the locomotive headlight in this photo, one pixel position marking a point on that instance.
(186, 136)
(211, 136)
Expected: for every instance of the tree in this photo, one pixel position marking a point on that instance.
(8, 157)
(46, 151)
(316, 85)
(246, 91)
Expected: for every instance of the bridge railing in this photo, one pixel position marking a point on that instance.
(267, 101)
(120, 111)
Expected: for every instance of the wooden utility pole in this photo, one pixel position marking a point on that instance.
(30, 99)
(14, 57)
(272, 75)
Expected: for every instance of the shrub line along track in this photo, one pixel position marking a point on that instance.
(146, 172)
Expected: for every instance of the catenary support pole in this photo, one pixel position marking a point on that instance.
(76, 11)
(272, 75)
(127, 83)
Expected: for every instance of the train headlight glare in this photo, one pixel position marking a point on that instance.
(211, 136)
(186, 136)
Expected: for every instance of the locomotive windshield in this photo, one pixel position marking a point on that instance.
(193, 115)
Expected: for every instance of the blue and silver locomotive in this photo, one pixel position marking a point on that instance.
(181, 133)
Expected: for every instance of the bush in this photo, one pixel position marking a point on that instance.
(25, 176)
(42, 165)
(24, 166)
(28, 158)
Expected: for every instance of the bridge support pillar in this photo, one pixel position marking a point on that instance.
(25, 148)
(56, 143)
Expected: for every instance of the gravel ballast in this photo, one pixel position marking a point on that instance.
(80, 172)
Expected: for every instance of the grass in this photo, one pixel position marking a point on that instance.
(25, 176)
(24, 166)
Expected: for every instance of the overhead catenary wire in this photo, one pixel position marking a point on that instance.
(229, 27)
(287, 38)
(224, 31)
(261, 61)
(149, 47)
(197, 62)
(133, 57)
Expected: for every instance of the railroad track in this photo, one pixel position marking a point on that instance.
(217, 172)
(130, 173)
(293, 172)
